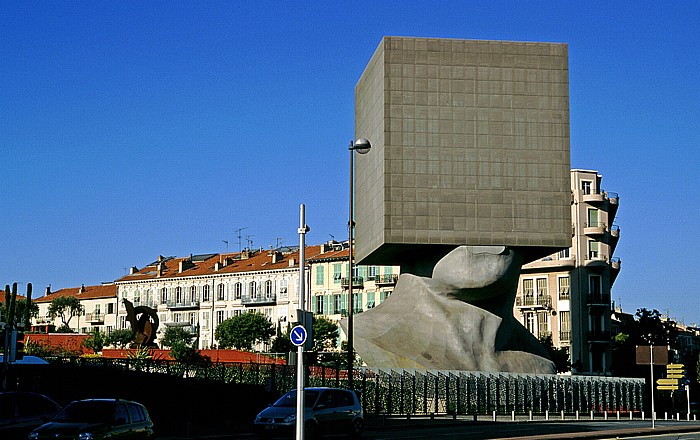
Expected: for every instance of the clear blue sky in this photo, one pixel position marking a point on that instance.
(132, 129)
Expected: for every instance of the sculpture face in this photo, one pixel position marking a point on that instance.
(458, 319)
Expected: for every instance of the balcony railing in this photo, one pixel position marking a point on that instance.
(543, 301)
(598, 336)
(95, 317)
(187, 304)
(357, 283)
(258, 299)
(386, 279)
(564, 336)
(598, 299)
(596, 228)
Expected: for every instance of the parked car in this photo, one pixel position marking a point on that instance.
(326, 411)
(94, 419)
(22, 411)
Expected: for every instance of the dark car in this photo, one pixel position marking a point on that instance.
(93, 419)
(326, 411)
(22, 411)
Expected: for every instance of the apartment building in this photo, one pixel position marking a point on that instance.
(567, 295)
(99, 304)
(329, 283)
(198, 292)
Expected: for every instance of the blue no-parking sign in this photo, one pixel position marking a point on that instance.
(298, 335)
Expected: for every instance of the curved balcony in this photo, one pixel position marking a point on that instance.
(595, 260)
(594, 197)
(595, 229)
(550, 263)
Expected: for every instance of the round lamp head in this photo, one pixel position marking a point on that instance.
(362, 146)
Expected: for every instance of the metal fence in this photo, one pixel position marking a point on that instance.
(421, 392)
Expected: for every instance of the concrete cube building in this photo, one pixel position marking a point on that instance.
(470, 146)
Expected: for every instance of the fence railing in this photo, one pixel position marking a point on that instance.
(402, 392)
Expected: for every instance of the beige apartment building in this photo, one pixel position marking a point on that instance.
(567, 295)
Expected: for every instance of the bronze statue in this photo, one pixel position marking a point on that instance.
(144, 323)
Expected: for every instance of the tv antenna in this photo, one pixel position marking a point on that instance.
(249, 241)
(226, 241)
(278, 242)
(238, 234)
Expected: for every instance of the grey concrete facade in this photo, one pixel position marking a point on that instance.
(470, 146)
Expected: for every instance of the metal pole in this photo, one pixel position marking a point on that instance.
(651, 357)
(351, 228)
(302, 316)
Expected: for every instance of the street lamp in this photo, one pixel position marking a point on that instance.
(362, 146)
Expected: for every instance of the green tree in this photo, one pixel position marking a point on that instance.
(176, 335)
(120, 338)
(65, 307)
(20, 308)
(325, 334)
(282, 343)
(560, 356)
(95, 341)
(244, 331)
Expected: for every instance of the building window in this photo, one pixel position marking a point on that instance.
(205, 318)
(586, 186)
(370, 300)
(219, 317)
(137, 298)
(542, 289)
(543, 325)
(283, 286)
(318, 304)
(221, 293)
(178, 295)
(595, 283)
(337, 273)
(357, 302)
(163, 295)
(528, 292)
(337, 304)
(193, 293)
(564, 292)
(319, 276)
(564, 253)
(592, 249)
(193, 319)
(251, 290)
(110, 308)
(592, 218)
(268, 289)
(565, 325)
(372, 272)
(238, 290)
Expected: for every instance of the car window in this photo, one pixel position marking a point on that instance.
(135, 413)
(290, 399)
(87, 412)
(342, 398)
(121, 415)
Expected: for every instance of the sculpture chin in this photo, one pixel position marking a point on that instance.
(460, 318)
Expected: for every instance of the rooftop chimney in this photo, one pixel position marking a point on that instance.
(133, 270)
(48, 289)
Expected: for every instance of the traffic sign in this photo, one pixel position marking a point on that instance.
(675, 366)
(667, 382)
(667, 387)
(298, 335)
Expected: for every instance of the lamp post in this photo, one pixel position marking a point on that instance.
(362, 146)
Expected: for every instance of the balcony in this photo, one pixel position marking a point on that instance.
(598, 300)
(594, 197)
(594, 229)
(357, 283)
(550, 262)
(95, 317)
(181, 305)
(534, 302)
(599, 336)
(248, 300)
(564, 336)
(385, 280)
(594, 259)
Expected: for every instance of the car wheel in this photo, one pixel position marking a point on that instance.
(358, 425)
(311, 430)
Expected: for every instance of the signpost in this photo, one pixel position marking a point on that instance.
(299, 334)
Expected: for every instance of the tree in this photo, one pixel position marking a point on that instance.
(20, 308)
(282, 343)
(244, 330)
(96, 341)
(560, 356)
(65, 307)
(176, 335)
(120, 338)
(325, 334)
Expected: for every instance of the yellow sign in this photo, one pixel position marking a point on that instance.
(667, 387)
(667, 382)
(675, 366)
(675, 376)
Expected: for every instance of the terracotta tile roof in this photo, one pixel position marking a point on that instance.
(85, 292)
(238, 262)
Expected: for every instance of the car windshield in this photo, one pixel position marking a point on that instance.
(290, 399)
(86, 412)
